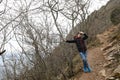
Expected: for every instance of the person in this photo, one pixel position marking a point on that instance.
(79, 39)
(2, 52)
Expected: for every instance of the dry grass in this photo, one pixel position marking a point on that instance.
(94, 43)
(115, 35)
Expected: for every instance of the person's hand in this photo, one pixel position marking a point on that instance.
(81, 32)
(64, 40)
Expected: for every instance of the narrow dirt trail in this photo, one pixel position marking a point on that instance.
(96, 58)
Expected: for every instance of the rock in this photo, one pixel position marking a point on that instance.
(111, 78)
(103, 73)
(107, 64)
(117, 79)
(110, 58)
(107, 47)
(117, 71)
(110, 51)
(115, 75)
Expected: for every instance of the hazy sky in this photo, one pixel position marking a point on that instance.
(95, 5)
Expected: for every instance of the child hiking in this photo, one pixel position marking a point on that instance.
(79, 39)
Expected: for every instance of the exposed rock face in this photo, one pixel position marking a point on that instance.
(103, 73)
(115, 75)
(117, 71)
(112, 64)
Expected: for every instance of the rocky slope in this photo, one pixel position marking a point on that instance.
(104, 59)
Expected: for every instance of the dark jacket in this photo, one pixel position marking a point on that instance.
(80, 43)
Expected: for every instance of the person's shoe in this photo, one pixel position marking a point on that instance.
(2, 52)
(89, 69)
(85, 69)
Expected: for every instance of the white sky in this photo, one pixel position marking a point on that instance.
(95, 5)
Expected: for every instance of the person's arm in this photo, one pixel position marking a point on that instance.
(70, 41)
(85, 36)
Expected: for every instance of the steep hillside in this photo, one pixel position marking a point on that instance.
(99, 20)
(104, 59)
(64, 62)
(100, 23)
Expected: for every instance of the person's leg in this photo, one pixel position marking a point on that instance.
(86, 66)
(86, 63)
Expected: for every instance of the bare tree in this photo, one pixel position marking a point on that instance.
(32, 23)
